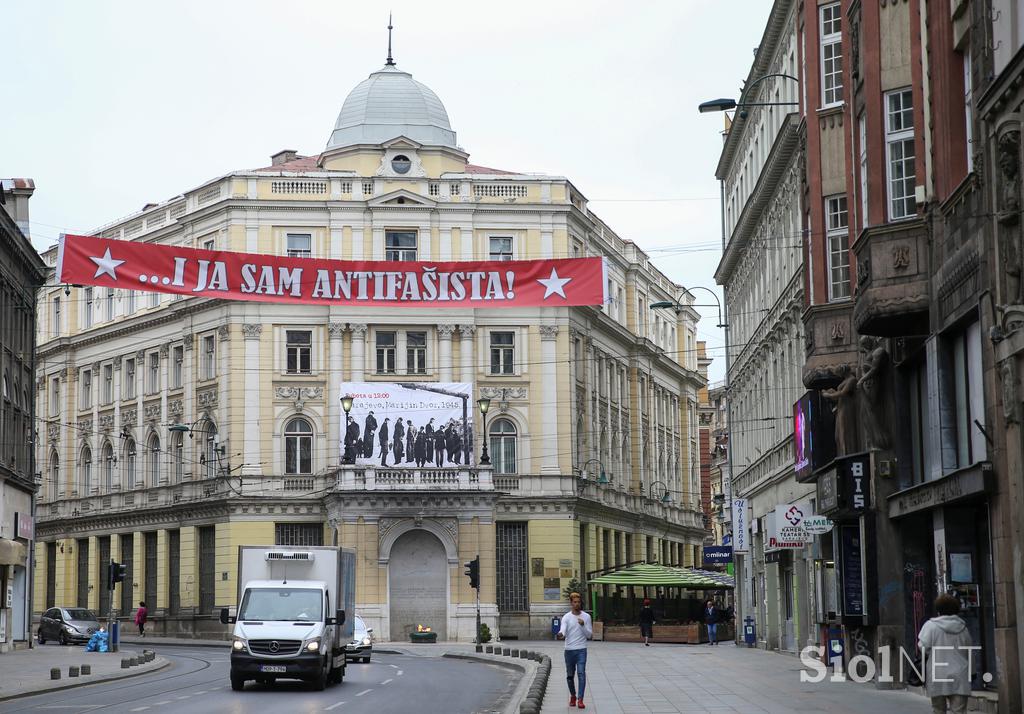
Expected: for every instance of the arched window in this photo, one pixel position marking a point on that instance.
(210, 442)
(85, 471)
(54, 476)
(298, 447)
(178, 454)
(129, 464)
(153, 460)
(108, 466)
(503, 446)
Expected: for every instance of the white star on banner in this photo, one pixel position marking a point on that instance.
(106, 265)
(553, 285)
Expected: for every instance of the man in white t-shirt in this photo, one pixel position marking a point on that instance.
(576, 629)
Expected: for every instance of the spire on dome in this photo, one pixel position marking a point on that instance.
(390, 62)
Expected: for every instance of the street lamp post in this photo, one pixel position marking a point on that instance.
(483, 403)
(677, 304)
(349, 457)
(724, 104)
(602, 477)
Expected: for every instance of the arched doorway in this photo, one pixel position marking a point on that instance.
(418, 585)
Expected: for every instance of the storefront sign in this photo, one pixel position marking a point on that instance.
(740, 542)
(717, 554)
(944, 490)
(818, 525)
(845, 487)
(24, 526)
(87, 260)
(785, 527)
(852, 574)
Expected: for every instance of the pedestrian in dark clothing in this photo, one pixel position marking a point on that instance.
(369, 429)
(428, 441)
(399, 441)
(410, 443)
(383, 438)
(140, 618)
(647, 622)
(711, 617)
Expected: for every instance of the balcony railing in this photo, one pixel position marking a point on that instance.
(374, 479)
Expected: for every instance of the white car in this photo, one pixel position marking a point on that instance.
(361, 646)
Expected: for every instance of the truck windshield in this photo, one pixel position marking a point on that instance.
(283, 604)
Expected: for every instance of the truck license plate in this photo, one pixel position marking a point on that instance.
(275, 668)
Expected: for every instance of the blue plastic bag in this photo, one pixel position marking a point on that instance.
(98, 642)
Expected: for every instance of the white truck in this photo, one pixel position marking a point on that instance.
(295, 614)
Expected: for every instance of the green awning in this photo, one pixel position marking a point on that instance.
(652, 574)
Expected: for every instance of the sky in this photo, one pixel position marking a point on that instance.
(112, 105)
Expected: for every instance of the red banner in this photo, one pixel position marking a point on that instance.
(87, 260)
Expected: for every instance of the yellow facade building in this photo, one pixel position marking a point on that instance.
(176, 429)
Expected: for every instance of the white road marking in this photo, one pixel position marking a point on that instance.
(333, 706)
(160, 704)
(201, 691)
(140, 709)
(365, 691)
(393, 666)
(386, 681)
(71, 706)
(185, 696)
(399, 672)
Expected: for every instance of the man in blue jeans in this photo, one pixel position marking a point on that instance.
(576, 629)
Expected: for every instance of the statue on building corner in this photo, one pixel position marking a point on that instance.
(873, 402)
(1008, 148)
(844, 406)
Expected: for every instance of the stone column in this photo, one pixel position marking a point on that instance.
(549, 388)
(358, 351)
(444, 352)
(335, 362)
(161, 421)
(117, 480)
(251, 334)
(223, 369)
(467, 356)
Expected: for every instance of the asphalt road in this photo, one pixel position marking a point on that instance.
(197, 682)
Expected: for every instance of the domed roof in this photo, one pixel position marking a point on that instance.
(390, 103)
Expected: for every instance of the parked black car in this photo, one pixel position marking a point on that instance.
(361, 646)
(67, 625)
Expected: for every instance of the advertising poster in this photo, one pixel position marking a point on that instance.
(740, 543)
(409, 425)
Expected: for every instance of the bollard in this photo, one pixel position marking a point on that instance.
(134, 661)
(479, 648)
(73, 671)
(515, 653)
(505, 651)
(125, 663)
(54, 672)
(489, 649)
(523, 654)
(86, 669)
(149, 654)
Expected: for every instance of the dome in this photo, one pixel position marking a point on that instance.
(390, 103)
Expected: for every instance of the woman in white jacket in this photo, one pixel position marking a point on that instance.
(946, 655)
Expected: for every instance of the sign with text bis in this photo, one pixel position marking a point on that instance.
(130, 265)
(844, 488)
(717, 554)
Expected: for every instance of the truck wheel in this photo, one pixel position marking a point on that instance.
(237, 683)
(320, 682)
(337, 675)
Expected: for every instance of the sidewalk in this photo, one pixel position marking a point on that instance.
(25, 672)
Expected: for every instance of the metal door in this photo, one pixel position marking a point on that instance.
(207, 569)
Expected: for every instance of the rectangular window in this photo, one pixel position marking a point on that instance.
(416, 352)
(55, 327)
(209, 357)
(831, 55)
(503, 348)
(899, 143)
(386, 352)
(129, 379)
(400, 245)
(55, 396)
(967, 396)
(108, 383)
(501, 248)
(153, 374)
(108, 305)
(918, 387)
(837, 236)
(86, 394)
(968, 110)
(129, 306)
(862, 133)
(512, 566)
(177, 366)
(154, 299)
(298, 534)
(298, 347)
(88, 315)
(299, 245)
(209, 244)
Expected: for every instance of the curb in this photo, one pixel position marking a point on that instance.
(198, 643)
(161, 663)
(524, 688)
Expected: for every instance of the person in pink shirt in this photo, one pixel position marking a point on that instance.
(140, 618)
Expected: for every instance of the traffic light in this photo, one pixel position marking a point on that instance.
(473, 571)
(116, 573)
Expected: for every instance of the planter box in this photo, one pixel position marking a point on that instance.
(694, 633)
(430, 637)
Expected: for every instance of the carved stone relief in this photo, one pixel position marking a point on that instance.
(252, 332)
(207, 398)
